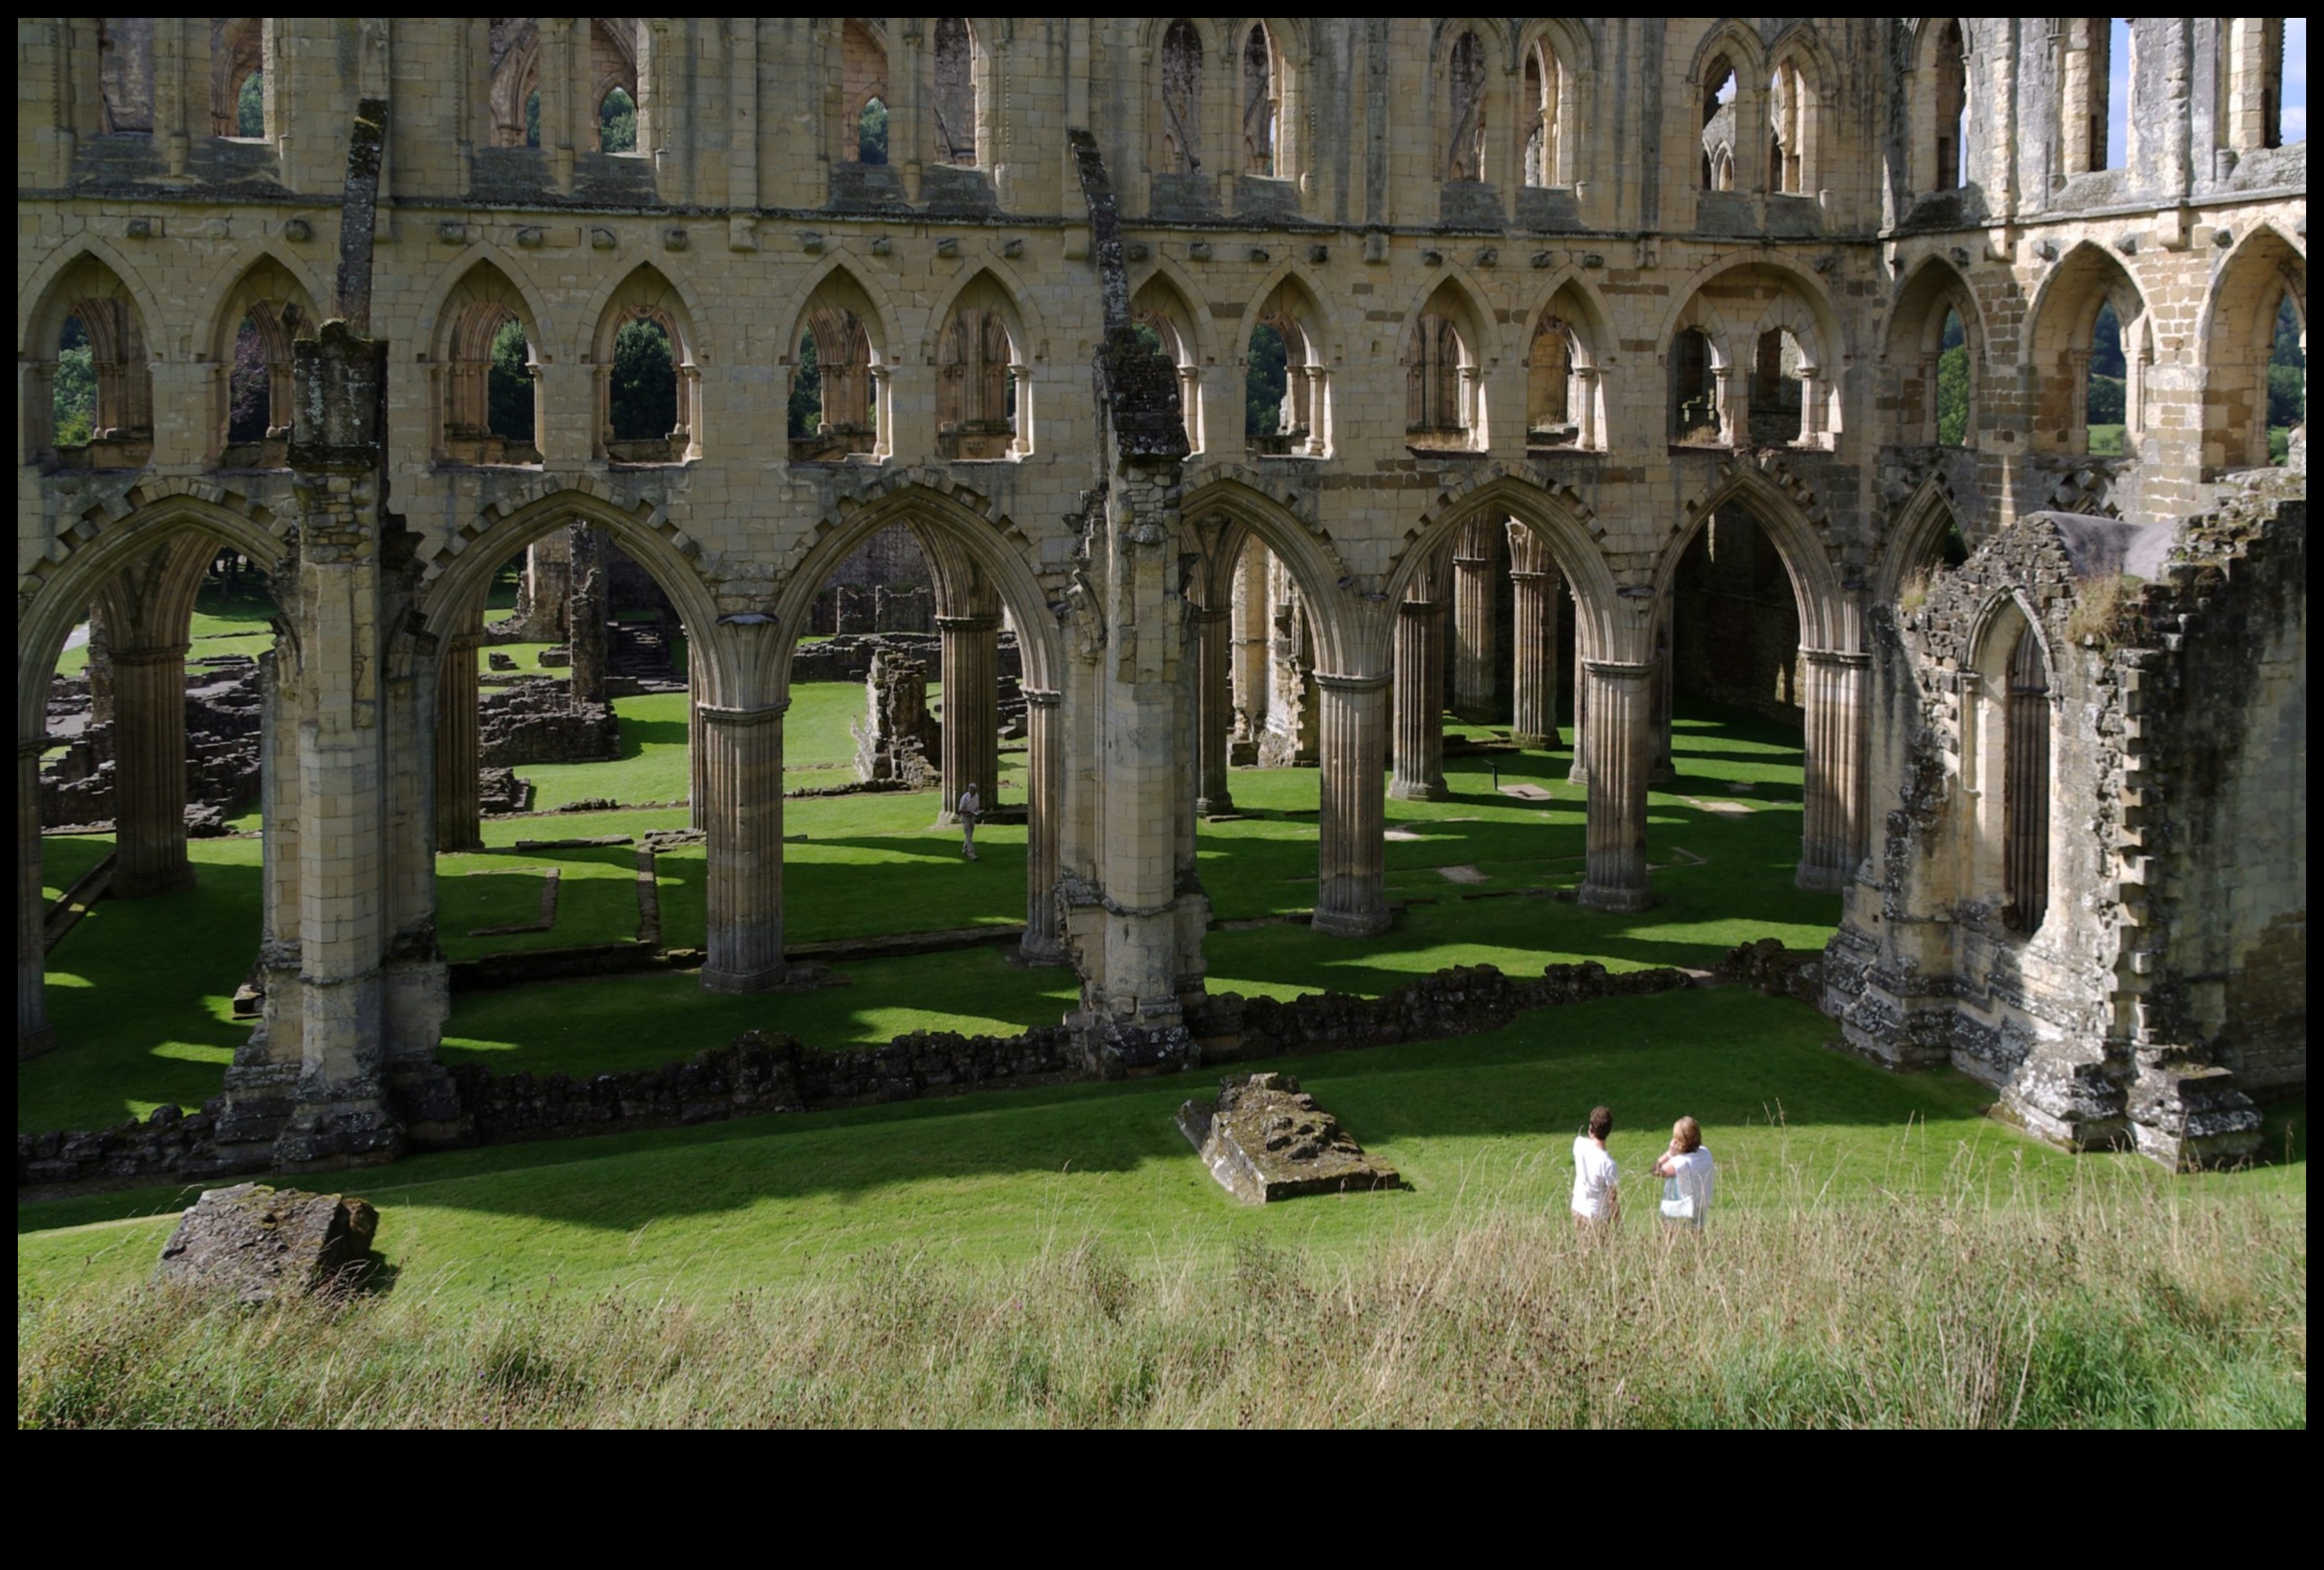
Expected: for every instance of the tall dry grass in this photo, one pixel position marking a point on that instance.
(2147, 1306)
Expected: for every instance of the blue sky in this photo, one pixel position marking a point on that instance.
(2295, 85)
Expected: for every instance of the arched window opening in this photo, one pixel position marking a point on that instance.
(1787, 111)
(1465, 116)
(1698, 392)
(1777, 398)
(641, 395)
(258, 388)
(2256, 112)
(862, 99)
(1182, 100)
(1545, 94)
(2105, 387)
(1440, 385)
(617, 122)
(1285, 385)
(74, 389)
(834, 412)
(976, 388)
(237, 72)
(1263, 103)
(956, 104)
(514, 100)
(509, 391)
(1952, 381)
(1268, 414)
(1718, 112)
(1160, 335)
(2025, 788)
(2287, 382)
(1950, 91)
(124, 75)
(1550, 400)
(2094, 94)
(490, 409)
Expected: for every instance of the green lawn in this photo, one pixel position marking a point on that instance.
(145, 1021)
(222, 625)
(1476, 1126)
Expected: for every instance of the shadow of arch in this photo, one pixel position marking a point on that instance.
(462, 571)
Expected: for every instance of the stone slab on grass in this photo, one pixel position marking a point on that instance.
(260, 1243)
(1527, 792)
(1264, 1139)
(1461, 873)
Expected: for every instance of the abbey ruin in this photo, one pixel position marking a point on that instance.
(1602, 362)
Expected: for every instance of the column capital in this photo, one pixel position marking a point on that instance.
(990, 623)
(742, 718)
(1353, 684)
(1841, 657)
(158, 654)
(1618, 669)
(1040, 698)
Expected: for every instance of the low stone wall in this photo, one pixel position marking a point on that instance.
(1767, 966)
(848, 657)
(760, 1072)
(534, 720)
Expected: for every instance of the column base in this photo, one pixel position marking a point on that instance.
(1821, 880)
(35, 1043)
(1398, 790)
(1122, 1050)
(1546, 742)
(1352, 923)
(125, 887)
(1662, 774)
(1212, 805)
(1613, 901)
(1044, 951)
(745, 982)
(337, 1134)
(1577, 775)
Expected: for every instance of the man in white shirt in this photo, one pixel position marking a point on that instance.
(1597, 1199)
(971, 804)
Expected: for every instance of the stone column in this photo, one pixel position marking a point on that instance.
(1254, 624)
(35, 1034)
(1214, 708)
(585, 618)
(458, 746)
(1419, 758)
(1662, 769)
(149, 771)
(1351, 884)
(697, 790)
(1045, 941)
(1476, 605)
(744, 767)
(970, 647)
(1578, 772)
(1534, 585)
(1620, 698)
(1832, 839)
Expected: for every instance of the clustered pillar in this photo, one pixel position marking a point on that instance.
(1620, 700)
(743, 769)
(1352, 886)
(457, 745)
(1043, 942)
(1476, 608)
(1832, 829)
(149, 771)
(1419, 695)
(1535, 584)
(585, 619)
(970, 651)
(1214, 707)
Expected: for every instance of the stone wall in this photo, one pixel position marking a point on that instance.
(763, 1072)
(534, 720)
(222, 724)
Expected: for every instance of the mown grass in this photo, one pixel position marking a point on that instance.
(1880, 1254)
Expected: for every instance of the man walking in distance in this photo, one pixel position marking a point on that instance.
(1597, 1201)
(970, 804)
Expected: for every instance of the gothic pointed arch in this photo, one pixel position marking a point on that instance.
(1566, 527)
(469, 352)
(86, 311)
(620, 355)
(2261, 276)
(1828, 613)
(2062, 317)
(1916, 341)
(253, 325)
(983, 377)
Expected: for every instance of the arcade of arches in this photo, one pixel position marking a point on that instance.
(1589, 369)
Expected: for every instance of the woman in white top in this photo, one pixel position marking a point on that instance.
(1687, 1174)
(1597, 1198)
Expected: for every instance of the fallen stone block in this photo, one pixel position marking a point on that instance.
(1264, 1139)
(260, 1243)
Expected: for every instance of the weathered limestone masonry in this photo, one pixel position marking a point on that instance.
(1513, 276)
(2127, 980)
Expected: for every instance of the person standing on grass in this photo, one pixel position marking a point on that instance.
(1597, 1199)
(971, 804)
(1687, 1173)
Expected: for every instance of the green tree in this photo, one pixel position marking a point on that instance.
(1952, 383)
(508, 385)
(806, 389)
(532, 119)
(75, 386)
(1265, 383)
(871, 133)
(617, 123)
(644, 391)
(2287, 371)
(250, 106)
(250, 390)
